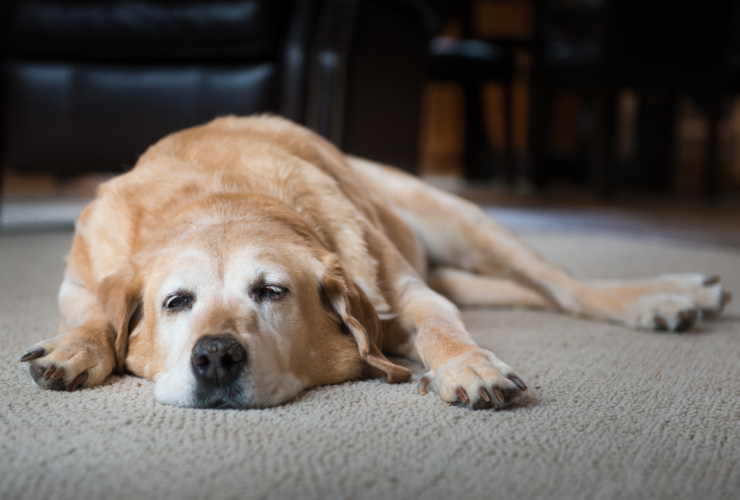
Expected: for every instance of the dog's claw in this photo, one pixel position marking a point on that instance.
(711, 280)
(660, 323)
(483, 393)
(59, 373)
(424, 381)
(77, 381)
(462, 394)
(49, 372)
(517, 381)
(687, 318)
(498, 396)
(37, 353)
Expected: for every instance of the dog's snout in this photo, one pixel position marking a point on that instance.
(218, 359)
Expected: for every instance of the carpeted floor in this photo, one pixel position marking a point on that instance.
(611, 413)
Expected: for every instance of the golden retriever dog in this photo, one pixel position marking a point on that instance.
(245, 260)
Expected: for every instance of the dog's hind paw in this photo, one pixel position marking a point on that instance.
(705, 292)
(476, 380)
(672, 302)
(67, 362)
(663, 312)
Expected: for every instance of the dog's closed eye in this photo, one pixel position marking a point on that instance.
(178, 301)
(268, 292)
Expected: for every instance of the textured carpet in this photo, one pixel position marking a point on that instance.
(611, 413)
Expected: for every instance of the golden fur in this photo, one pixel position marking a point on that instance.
(240, 203)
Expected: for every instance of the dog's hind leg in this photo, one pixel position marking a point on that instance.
(459, 234)
(466, 289)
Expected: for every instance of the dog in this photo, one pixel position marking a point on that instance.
(243, 261)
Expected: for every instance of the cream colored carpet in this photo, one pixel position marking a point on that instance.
(610, 414)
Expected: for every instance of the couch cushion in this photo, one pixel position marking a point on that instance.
(143, 29)
(71, 118)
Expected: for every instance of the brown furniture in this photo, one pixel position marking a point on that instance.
(659, 50)
(472, 63)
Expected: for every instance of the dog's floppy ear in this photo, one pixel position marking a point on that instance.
(119, 297)
(347, 304)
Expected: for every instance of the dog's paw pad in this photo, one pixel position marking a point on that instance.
(48, 376)
(53, 377)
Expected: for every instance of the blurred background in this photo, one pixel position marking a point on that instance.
(618, 115)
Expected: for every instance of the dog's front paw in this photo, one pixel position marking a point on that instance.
(477, 379)
(67, 362)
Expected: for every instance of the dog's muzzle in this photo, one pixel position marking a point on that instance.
(218, 360)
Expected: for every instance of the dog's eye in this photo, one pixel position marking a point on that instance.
(270, 292)
(178, 301)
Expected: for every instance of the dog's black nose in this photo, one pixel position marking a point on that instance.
(218, 359)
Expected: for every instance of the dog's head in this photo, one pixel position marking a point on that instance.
(240, 305)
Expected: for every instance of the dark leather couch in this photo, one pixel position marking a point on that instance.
(87, 85)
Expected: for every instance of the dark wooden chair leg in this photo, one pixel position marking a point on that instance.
(478, 155)
(607, 178)
(712, 167)
(656, 138)
(594, 139)
(2, 147)
(2, 179)
(663, 161)
(510, 170)
(539, 133)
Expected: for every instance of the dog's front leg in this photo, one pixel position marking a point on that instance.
(460, 371)
(83, 352)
